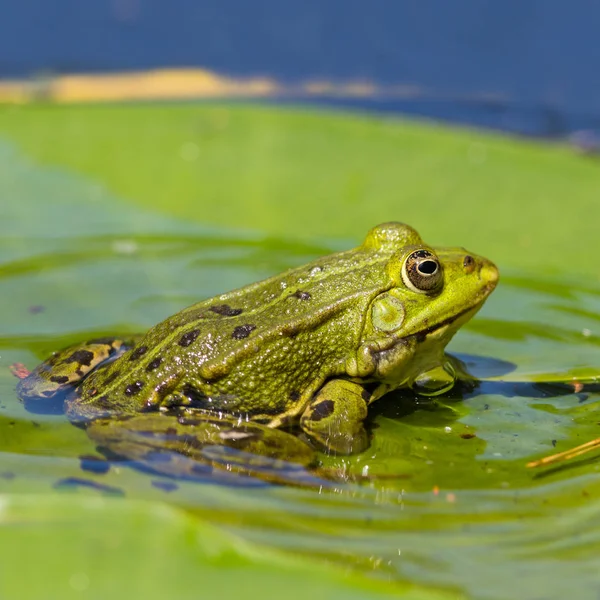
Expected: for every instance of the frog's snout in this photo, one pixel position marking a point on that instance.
(488, 273)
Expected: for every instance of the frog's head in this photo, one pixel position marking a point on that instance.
(432, 292)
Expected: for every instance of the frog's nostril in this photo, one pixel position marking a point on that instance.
(469, 263)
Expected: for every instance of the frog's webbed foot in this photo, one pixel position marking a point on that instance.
(334, 418)
(192, 443)
(436, 381)
(67, 368)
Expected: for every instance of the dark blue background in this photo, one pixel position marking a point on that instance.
(537, 61)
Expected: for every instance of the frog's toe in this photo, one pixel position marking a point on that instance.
(435, 381)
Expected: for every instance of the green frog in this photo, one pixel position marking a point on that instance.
(272, 372)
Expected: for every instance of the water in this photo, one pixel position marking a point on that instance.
(529, 68)
(451, 503)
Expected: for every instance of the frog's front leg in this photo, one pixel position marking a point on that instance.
(334, 418)
(67, 368)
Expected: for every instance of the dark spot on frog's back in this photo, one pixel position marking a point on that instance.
(138, 352)
(301, 295)
(81, 357)
(133, 388)
(225, 310)
(290, 330)
(188, 338)
(59, 379)
(294, 395)
(154, 364)
(112, 377)
(322, 410)
(243, 331)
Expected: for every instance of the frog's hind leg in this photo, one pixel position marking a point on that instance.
(194, 443)
(66, 369)
(334, 418)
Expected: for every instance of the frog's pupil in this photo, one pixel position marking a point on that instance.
(427, 267)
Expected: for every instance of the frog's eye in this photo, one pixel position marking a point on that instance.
(422, 272)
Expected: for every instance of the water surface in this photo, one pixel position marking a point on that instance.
(450, 503)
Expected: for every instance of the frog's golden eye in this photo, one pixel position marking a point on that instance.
(422, 272)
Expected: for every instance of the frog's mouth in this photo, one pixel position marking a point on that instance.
(454, 322)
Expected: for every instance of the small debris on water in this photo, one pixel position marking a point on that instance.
(19, 370)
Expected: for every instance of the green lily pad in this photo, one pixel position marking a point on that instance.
(116, 216)
(73, 547)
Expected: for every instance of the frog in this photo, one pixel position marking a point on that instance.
(275, 372)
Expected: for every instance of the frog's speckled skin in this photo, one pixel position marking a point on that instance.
(313, 346)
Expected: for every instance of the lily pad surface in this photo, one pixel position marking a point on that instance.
(114, 217)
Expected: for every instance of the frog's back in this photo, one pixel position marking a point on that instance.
(256, 348)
